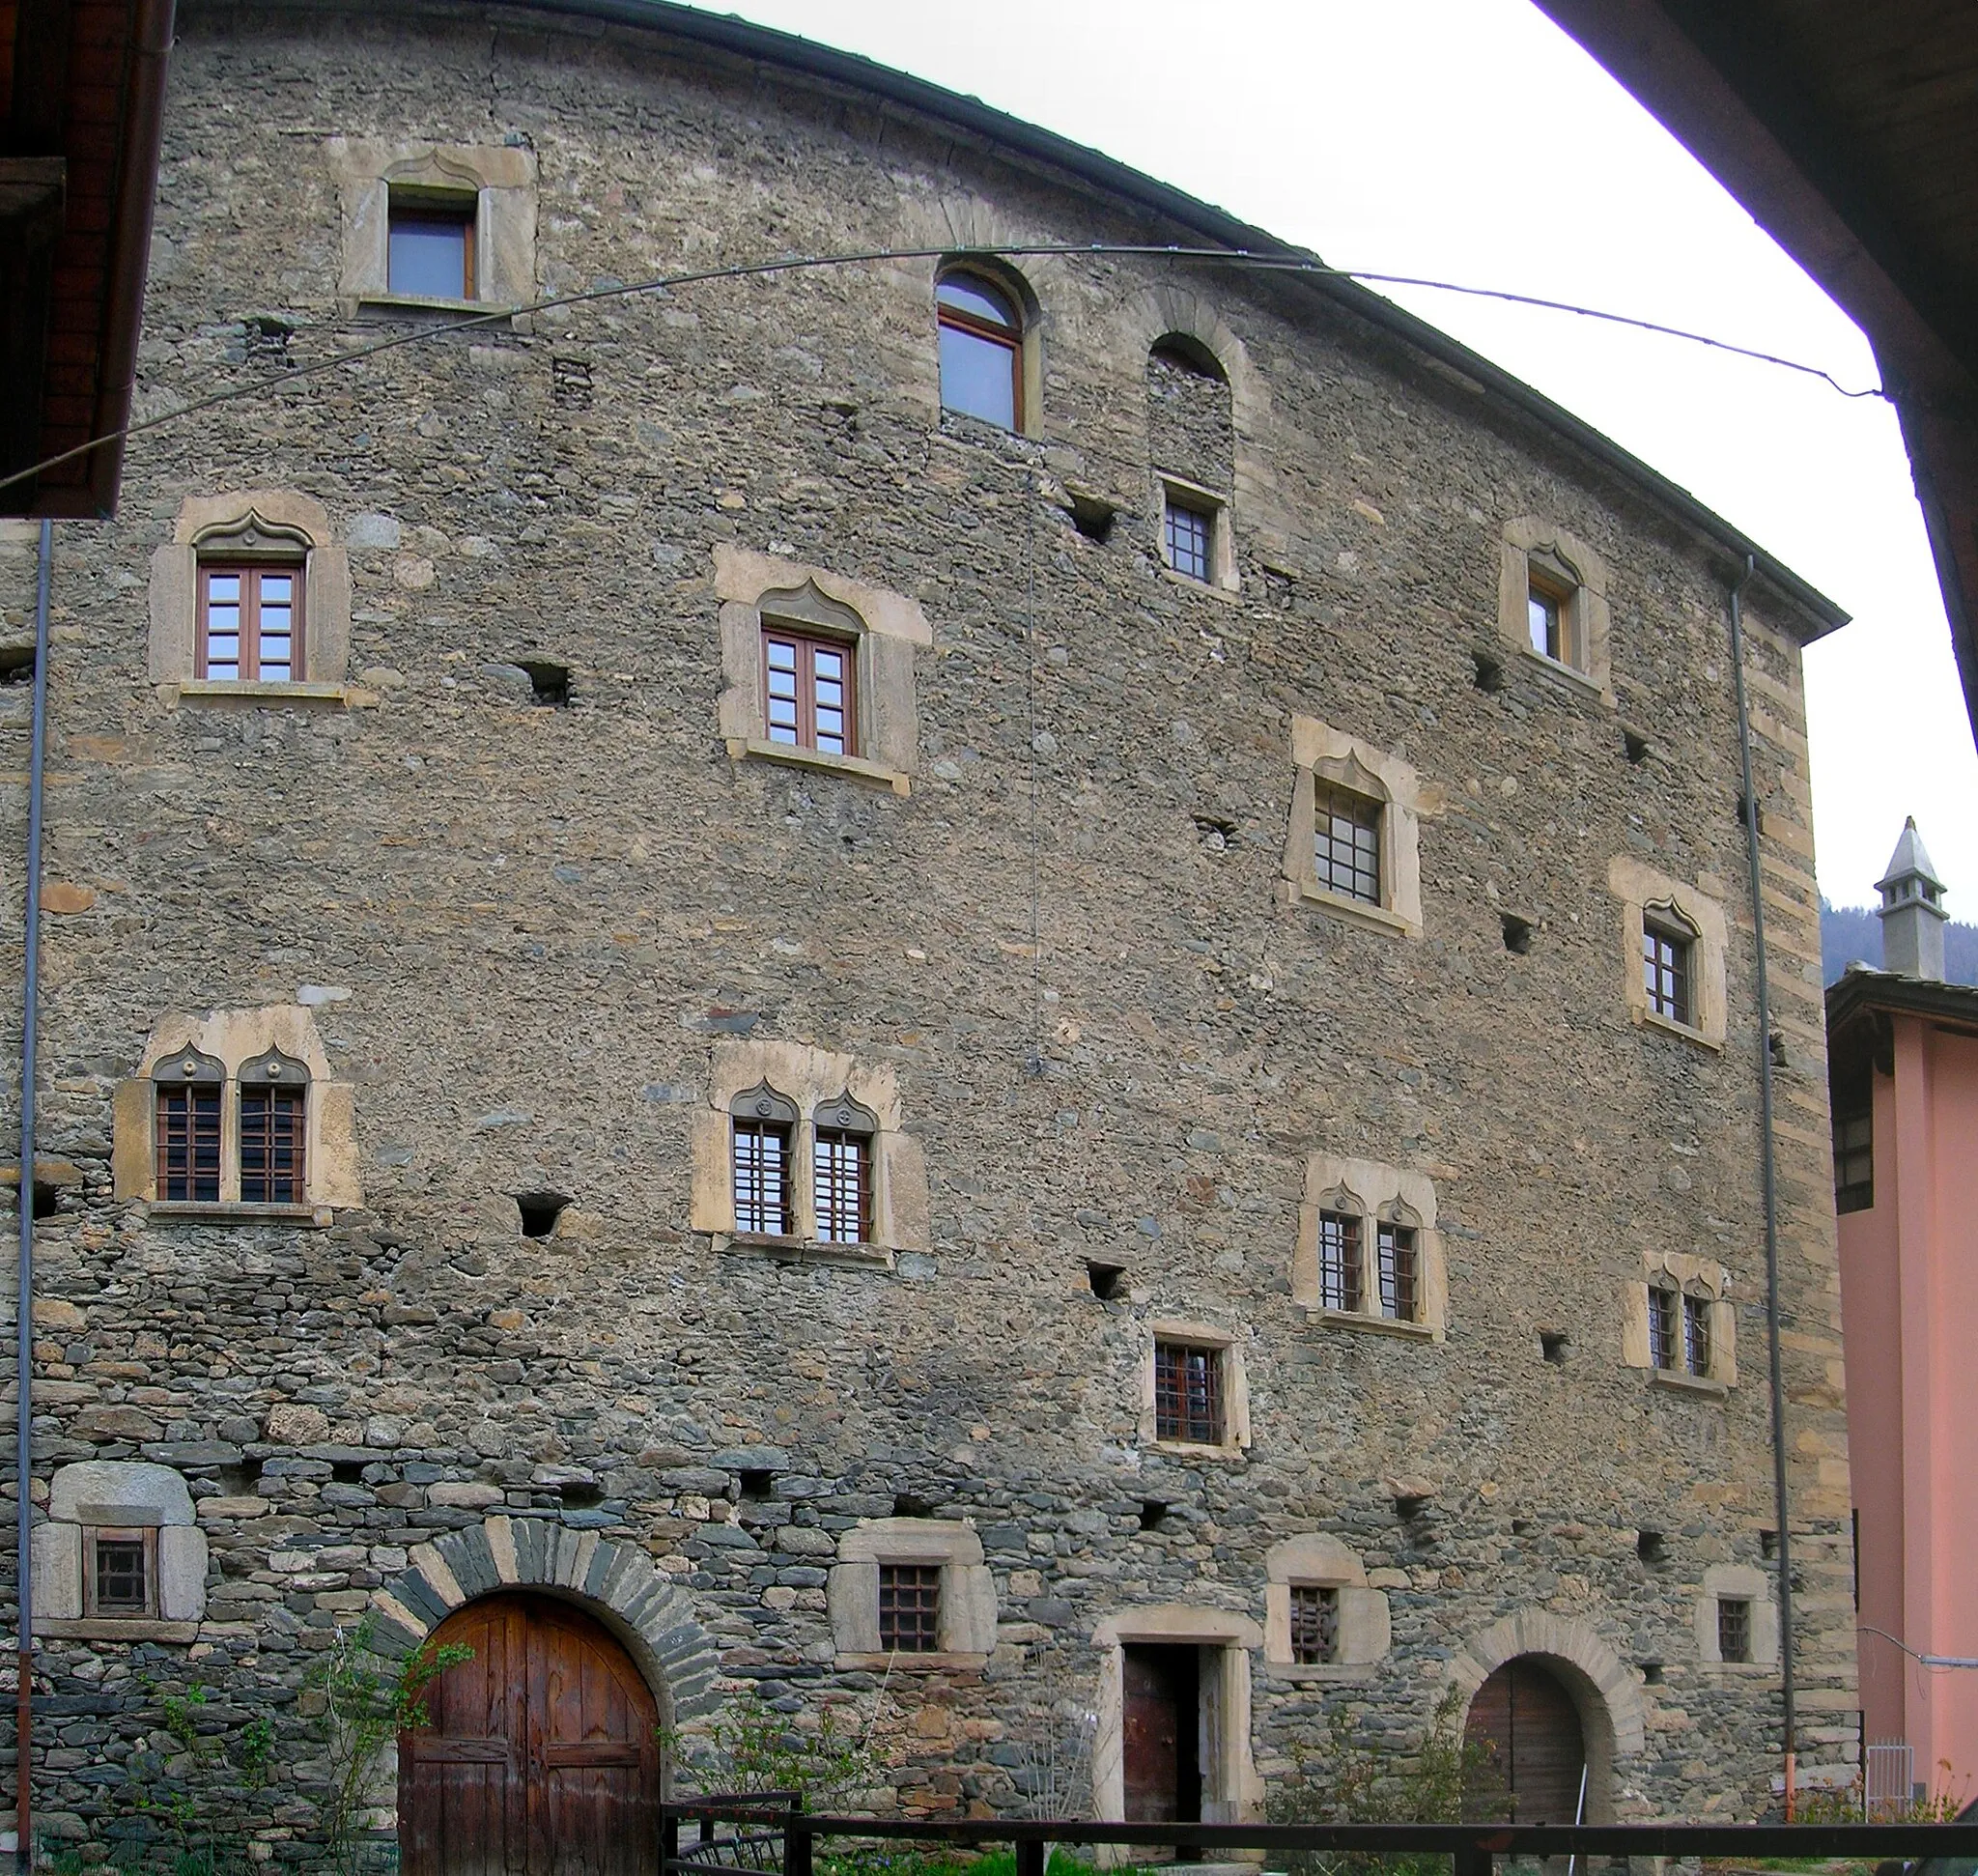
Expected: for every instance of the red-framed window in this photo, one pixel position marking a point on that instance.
(250, 624)
(1188, 1393)
(981, 337)
(809, 691)
(273, 1143)
(1398, 1271)
(1662, 1310)
(1341, 1271)
(187, 1136)
(430, 248)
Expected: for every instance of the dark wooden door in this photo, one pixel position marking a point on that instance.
(1538, 1752)
(1161, 1727)
(541, 1759)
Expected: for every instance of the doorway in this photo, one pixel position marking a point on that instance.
(1529, 1721)
(542, 1757)
(1161, 1735)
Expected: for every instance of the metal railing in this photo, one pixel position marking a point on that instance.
(1472, 1849)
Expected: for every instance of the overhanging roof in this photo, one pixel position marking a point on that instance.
(1850, 129)
(1857, 991)
(81, 103)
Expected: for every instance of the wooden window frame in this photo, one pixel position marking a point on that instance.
(1398, 1271)
(1364, 814)
(1314, 1624)
(1557, 593)
(1674, 1001)
(803, 646)
(1010, 338)
(1665, 1327)
(923, 1584)
(1734, 1628)
(1342, 1262)
(1204, 517)
(1696, 1335)
(289, 1187)
(439, 209)
(1854, 1129)
(250, 574)
(1191, 1406)
(168, 1140)
(835, 1151)
(745, 1126)
(146, 1540)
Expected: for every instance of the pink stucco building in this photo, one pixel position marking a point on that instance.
(1903, 1061)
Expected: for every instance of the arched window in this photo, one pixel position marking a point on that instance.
(841, 1171)
(185, 1132)
(765, 1128)
(274, 1102)
(251, 603)
(982, 348)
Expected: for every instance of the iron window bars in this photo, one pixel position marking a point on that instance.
(1188, 1393)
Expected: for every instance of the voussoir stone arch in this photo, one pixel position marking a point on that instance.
(615, 1582)
(1174, 310)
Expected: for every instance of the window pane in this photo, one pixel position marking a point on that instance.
(1346, 843)
(276, 589)
(271, 1143)
(1314, 1624)
(842, 1188)
(428, 257)
(782, 657)
(975, 296)
(223, 588)
(1187, 541)
(1545, 621)
(978, 377)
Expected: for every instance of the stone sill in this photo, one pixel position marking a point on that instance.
(1649, 1019)
(1208, 588)
(1681, 1384)
(916, 1663)
(1376, 918)
(805, 1250)
(1570, 674)
(200, 690)
(1739, 1670)
(1353, 1319)
(1331, 1673)
(492, 312)
(232, 1211)
(115, 1628)
(854, 766)
(1195, 1449)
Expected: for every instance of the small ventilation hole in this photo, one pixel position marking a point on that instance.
(348, 1471)
(1092, 517)
(1517, 933)
(906, 1505)
(44, 1199)
(1636, 744)
(550, 682)
(755, 1483)
(1519, 1526)
(1154, 1514)
(1769, 1544)
(238, 1480)
(17, 665)
(1777, 1044)
(1553, 1344)
(538, 1212)
(581, 1495)
(1409, 1509)
(1106, 1279)
(1490, 671)
(1651, 1547)
(1216, 835)
(1651, 1674)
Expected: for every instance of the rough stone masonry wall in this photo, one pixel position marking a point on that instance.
(527, 928)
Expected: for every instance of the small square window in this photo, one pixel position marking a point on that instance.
(1340, 1271)
(910, 1608)
(1734, 1628)
(250, 624)
(1314, 1624)
(1667, 953)
(120, 1577)
(1346, 842)
(1187, 536)
(1188, 1394)
(1696, 1335)
(1398, 1271)
(809, 691)
(430, 247)
(1661, 1327)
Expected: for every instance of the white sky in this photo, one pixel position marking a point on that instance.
(1470, 140)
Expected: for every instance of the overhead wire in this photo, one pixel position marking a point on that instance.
(1935, 1664)
(1280, 263)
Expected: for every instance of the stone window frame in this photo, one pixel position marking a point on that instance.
(885, 629)
(237, 1040)
(1741, 1582)
(260, 525)
(1317, 1560)
(968, 1593)
(499, 179)
(808, 1079)
(1233, 1379)
(1374, 1192)
(1529, 542)
(1321, 754)
(1013, 286)
(1643, 893)
(1687, 1274)
(119, 1497)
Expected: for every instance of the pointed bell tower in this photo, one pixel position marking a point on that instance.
(1911, 910)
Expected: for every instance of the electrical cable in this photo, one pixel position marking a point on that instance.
(1936, 1664)
(789, 264)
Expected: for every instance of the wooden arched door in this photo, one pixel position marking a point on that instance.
(1538, 1752)
(542, 1756)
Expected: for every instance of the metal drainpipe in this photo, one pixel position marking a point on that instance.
(24, 1292)
(1782, 1507)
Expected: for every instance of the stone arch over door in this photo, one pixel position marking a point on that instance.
(615, 1582)
(1603, 1690)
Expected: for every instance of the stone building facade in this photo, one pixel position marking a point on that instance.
(1224, 878)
